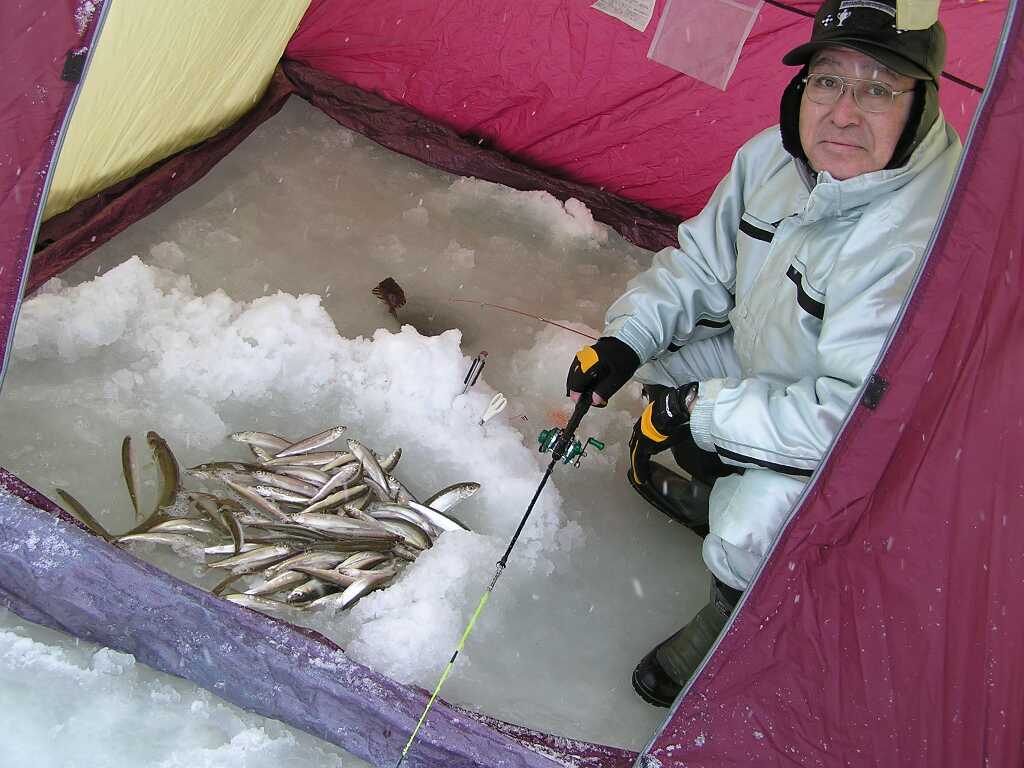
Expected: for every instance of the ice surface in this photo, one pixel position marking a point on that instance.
(245, 304)
(70, 703)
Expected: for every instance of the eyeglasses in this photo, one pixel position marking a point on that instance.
(870, 95)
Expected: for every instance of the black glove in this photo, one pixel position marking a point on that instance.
(664, 423)
(603, 367)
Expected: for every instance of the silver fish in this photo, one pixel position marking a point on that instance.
(413, 535)
(264, 440)
(311, 443)
(170, 477)
(170, 539)
(363, 560)
(279, 583)
(439, 519)
(334, 578)
(342, 496)
(347, 475)
(371, 467)
(383, 511)
(257, 603)
(389, 462)
(311, 590)
(263, 505)
(280, 494)
(448, 497)
(286, 482)
(129, 472)
(186, 525)
(229, 549)
(340, 461)
(306, 459)
(255, 560)
(314, 560)
(364, 585)
(311, 475)
(338, 525)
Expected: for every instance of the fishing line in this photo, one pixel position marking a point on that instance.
(565, 448)
(524, 314)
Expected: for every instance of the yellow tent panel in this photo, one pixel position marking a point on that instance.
(165, 76)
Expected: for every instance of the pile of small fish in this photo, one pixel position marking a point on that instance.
(322, 527)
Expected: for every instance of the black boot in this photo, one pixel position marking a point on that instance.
(685, 501)
(662, 673)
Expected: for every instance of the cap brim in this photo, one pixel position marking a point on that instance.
(802, 54)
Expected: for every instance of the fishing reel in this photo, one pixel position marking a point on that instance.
(576, 450)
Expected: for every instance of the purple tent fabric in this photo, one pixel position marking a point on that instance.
(886, 629)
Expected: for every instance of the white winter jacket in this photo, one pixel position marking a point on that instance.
(778, 300)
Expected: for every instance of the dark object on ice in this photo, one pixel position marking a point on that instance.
(662, 673)
(474, 371)
(391, 294)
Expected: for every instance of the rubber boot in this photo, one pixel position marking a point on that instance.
(662, 673)
(685, 501)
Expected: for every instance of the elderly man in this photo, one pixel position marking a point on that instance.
(755, 335)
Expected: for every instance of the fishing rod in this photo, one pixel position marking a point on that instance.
(564, 447)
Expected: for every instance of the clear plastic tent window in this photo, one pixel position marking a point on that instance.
(703, 38)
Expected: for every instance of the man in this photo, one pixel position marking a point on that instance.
(755, 335)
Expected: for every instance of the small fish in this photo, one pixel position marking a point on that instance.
(448, 497)
(334, 578)
(348, 474)
(83, 515)
(257, 603)
(389, 462)
(317, 560)
(384, 511)
(229, 549)
(311, 443)
(129, 472)
(438, 519)
(263, 505)
(285, 482)
(279, 583)
(364, 560)
(391, 293)
(222, 585)
(318, 459)
(186, 525)
(311, 475)
(280, 494)
(413, 535)
(170, 479)
(265, 440)
(371, 467)
(311, 590)
(347, 494)
(338, 525)
(340, 461)
(364, 585)
(157, 537)
(255, 560)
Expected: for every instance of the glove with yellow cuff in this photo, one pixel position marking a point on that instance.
(603, 367)
(664, 423)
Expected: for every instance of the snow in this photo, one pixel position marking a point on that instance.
(245, 303)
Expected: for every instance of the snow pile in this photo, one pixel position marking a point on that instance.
(249, 307)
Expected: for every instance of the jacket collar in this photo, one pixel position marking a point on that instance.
(831, 197)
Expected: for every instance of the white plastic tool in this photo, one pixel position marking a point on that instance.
(497, 405)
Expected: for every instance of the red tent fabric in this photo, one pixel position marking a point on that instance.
(33, 101)
(563, 87)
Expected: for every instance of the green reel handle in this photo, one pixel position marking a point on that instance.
(576, 450)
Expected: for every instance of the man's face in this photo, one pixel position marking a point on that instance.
(842, 138)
